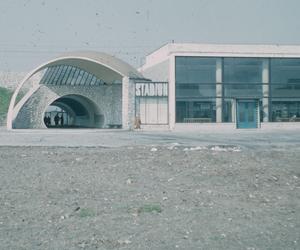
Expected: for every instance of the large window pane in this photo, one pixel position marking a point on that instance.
(195, 89)
(285, 77)
(243, 70)
(195, 70)
(195, 77)
(242, 90)
(285, 89)
(285, 110)
(228, 109)
(242, 77)
(196, 111)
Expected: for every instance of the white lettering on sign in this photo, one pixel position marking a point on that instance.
(151, 89)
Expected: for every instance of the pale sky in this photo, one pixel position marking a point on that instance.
(34, 31)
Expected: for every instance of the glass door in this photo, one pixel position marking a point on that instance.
(247, 113)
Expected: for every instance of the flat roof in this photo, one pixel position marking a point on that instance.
(222, 50)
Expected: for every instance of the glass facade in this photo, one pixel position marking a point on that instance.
(205, 83)
(195, 89)
(285, 89)
(69, 75)
(242, 77)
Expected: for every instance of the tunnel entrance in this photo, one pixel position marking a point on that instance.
(73, 111)
(57, 117)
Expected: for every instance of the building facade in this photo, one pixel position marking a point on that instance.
(84, 89)
(239, 86)
(244, 86)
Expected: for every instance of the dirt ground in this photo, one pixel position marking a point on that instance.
(149, 197)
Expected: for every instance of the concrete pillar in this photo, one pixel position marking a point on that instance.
(265, 89)
(128, 103)
(233, 110)
(172, 97)
(219, 93)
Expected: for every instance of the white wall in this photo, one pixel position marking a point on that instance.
(158, 72)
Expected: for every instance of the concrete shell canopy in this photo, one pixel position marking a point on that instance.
(91, 60)
(108, 68)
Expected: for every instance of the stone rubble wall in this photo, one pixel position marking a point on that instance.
(10, 80)
(108, 98)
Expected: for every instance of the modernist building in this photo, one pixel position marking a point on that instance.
(243, 86)
(239, 85)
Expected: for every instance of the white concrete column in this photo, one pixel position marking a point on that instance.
(265, 89)
(219, 92)
(172, 97)
(128, 103)
(233, 110)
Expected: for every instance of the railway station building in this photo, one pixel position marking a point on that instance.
(238, 86)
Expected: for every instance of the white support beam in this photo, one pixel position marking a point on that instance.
(265, 90)
(172, 97)
(128, 103)
(219, 93)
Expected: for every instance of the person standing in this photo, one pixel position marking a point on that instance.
(137, 122)
(62, 120)
(48, 121)
(56, 119)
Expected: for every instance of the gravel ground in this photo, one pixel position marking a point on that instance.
(149, 197)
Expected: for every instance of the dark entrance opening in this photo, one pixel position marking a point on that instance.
(57, 117)
(73, 111)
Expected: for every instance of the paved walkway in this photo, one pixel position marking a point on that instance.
(116, 138)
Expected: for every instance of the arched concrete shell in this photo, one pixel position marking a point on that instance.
(111, 62)
(110, 68)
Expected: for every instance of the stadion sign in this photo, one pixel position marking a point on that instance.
(151, 89)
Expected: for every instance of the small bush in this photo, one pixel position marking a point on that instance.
(86, 212)
(5, 95)
(150, 208)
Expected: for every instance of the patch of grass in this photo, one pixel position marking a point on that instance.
(150, 208)
(5, 95)
(86, 212)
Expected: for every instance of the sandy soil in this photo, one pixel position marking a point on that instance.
(145, 197)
